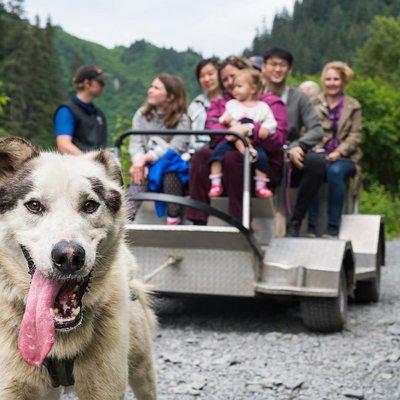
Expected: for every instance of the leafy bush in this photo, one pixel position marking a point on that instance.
(381, 119)
(377, 200)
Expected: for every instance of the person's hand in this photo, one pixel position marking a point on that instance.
(296, 155)
(240, 128)
(334, 156)
(139, 171)
(230, 138)
(228, 119)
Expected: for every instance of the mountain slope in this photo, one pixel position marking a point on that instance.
(132, 69)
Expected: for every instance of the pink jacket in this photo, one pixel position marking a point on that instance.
(272, 145)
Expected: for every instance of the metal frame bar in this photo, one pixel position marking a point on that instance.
(246, 162)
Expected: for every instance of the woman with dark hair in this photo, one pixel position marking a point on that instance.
(156, 160)
(207, 78)
(232, 173)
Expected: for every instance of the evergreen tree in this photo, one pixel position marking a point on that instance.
(380, 56)
(321, 31)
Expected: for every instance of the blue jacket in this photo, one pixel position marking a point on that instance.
(170, 162)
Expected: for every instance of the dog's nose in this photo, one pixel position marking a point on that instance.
(68, 257)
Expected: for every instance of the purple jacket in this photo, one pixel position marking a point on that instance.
(272, 144)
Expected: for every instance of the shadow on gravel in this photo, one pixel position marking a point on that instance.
(228, 314)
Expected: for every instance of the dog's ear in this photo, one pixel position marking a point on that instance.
(14, 152)
(111, 164)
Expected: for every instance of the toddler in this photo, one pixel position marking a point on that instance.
(244, 109)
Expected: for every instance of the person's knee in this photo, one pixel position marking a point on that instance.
(232, 159)
(315, 164)
(336, 172)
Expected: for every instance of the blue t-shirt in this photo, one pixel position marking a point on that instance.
(64, 121)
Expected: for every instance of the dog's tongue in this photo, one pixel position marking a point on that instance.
(37, 333)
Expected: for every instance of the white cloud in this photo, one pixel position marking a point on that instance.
(220, 27)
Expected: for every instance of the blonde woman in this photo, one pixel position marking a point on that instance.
(341, 120)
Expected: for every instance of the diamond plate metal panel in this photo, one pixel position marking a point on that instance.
(319, 254)
(201, 271)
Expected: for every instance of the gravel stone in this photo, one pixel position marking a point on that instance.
(240, 349)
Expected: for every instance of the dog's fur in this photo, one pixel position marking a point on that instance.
(112, 345)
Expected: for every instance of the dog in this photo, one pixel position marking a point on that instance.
(72, 313)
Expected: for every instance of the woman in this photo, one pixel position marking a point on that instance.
(342, 122)
(199, 184)
(207, 78)
(156, 161)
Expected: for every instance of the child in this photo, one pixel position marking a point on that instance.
(244, 109)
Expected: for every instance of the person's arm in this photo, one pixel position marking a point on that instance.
(274, 141)
(310, 121)
(349, 145)
(217, 108)
(65, 145)
(181, 143)
(64, 127)
(137, 143)
(137, 150)
(268, 124)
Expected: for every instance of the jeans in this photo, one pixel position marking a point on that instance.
(308, 179)
(337, 175)
(222, 148)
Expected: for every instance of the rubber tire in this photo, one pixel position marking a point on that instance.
(369, 291)
(325, 314)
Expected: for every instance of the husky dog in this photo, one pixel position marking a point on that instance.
(71, 312)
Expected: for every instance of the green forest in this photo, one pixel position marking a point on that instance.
(37, 61)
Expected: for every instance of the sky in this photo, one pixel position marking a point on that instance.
(211, 27)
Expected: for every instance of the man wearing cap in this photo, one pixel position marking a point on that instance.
(79, 125)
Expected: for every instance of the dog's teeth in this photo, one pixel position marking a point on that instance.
(75, 311)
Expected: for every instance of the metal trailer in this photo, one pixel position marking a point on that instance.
(228, 258)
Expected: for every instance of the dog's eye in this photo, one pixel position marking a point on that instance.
(90, 206)
(35, 207)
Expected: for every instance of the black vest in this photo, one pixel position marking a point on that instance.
(90, 127)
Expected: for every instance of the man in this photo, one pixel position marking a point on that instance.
(305, 131)
(79, 125)
(310, 88)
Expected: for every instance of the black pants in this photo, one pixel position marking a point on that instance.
(309, 180)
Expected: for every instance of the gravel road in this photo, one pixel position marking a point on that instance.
(225, 349)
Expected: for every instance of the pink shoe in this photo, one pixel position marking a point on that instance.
(173, 220)
(216, 190)
(264, 193)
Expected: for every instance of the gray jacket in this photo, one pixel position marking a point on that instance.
(197, 112)
(156, 144)
(305, 129)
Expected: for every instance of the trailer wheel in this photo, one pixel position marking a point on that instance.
(323, 314)
(368, 291)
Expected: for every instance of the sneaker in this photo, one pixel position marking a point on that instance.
(215, 190)
(264, 193)
(311, 232)
(332, 232)
(293, 229)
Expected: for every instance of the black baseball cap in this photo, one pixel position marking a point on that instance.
(90, 72)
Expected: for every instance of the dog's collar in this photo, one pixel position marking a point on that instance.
(61, 371)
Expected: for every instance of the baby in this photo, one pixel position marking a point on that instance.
(244, 109)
